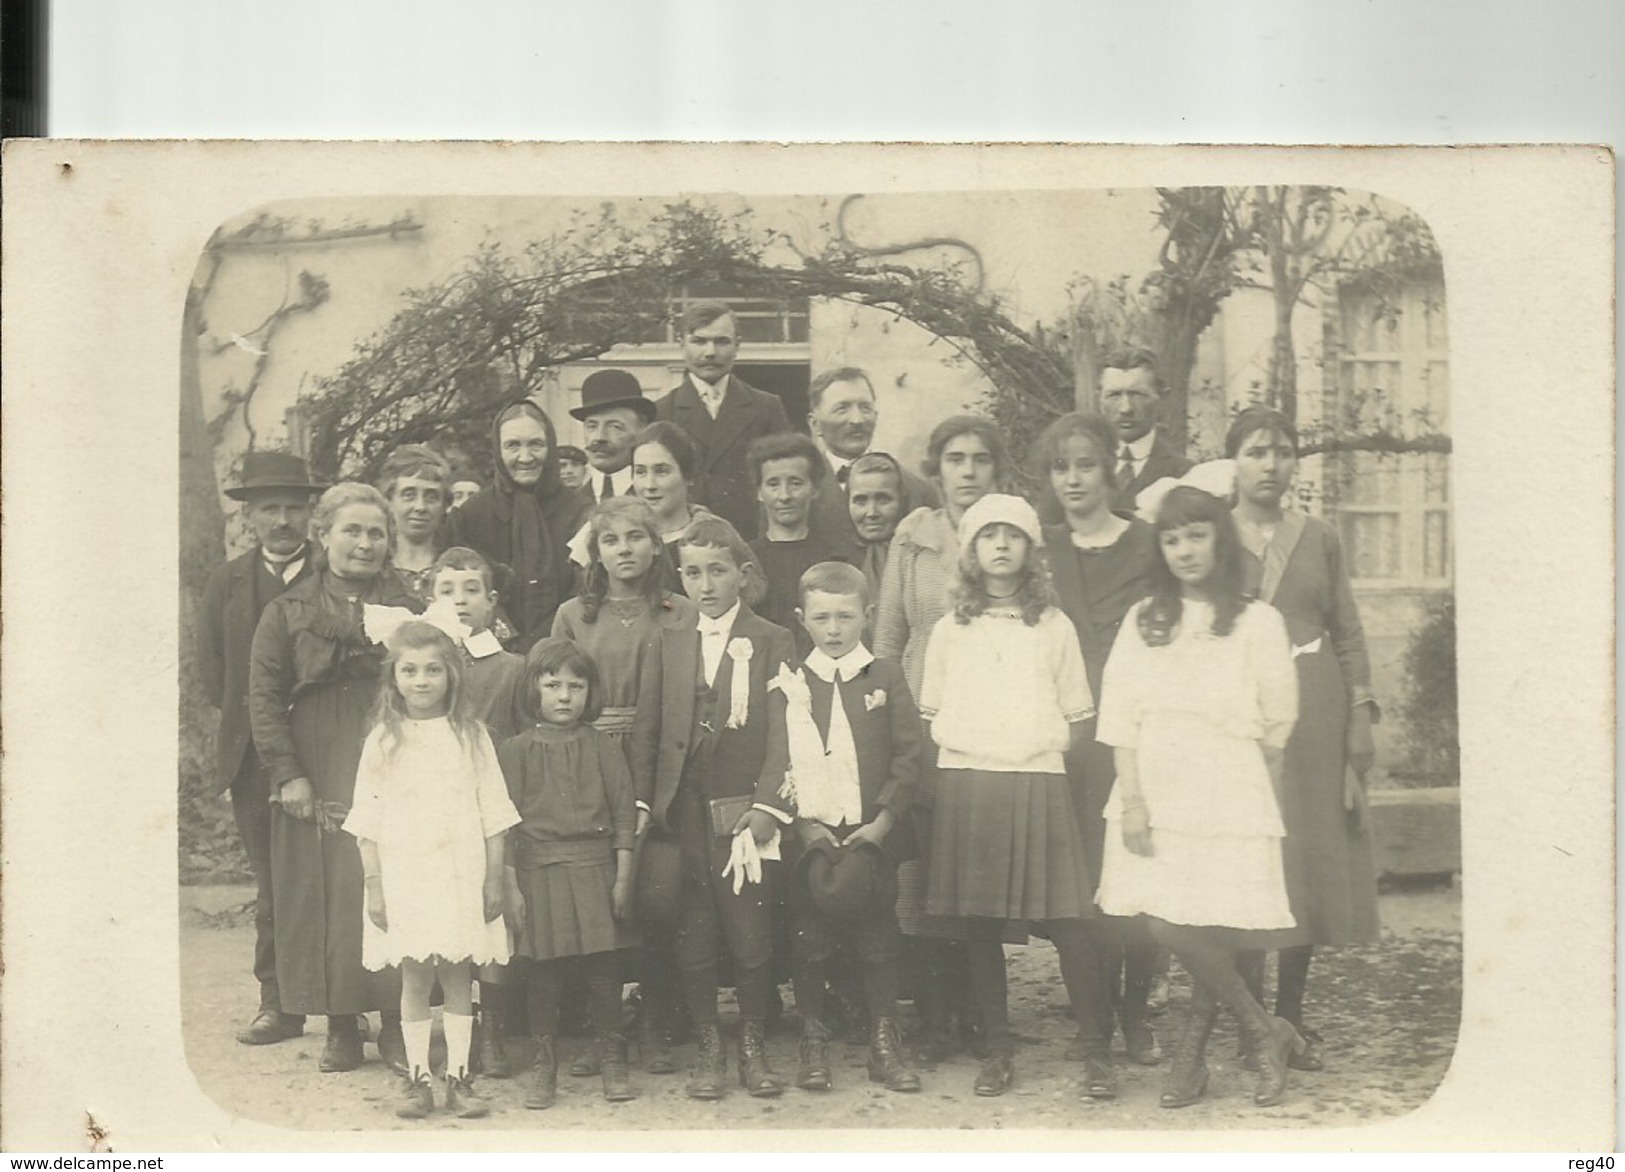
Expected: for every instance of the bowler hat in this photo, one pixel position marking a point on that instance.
(272, 471)
(604, 389)
(843, 881)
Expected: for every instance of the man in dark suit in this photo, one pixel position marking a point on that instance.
(1131, 398)
(722, 413)
(276, 492)
(612, 412)
(843, 414)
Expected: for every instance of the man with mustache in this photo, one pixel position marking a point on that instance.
(1131, 399)
(276, 491)
(612, 412)
(722, 413)
(842, 411)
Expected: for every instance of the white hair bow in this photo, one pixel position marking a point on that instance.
(381, 622)
(1215, 477)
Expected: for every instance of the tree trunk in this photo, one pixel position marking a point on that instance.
(202, 523)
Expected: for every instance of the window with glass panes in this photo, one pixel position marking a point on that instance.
(1392, 374)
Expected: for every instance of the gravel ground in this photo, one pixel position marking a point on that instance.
(1389, 1013)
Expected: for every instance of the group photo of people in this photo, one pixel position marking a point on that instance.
(722, 754)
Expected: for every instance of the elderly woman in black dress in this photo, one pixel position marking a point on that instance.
(525, 521)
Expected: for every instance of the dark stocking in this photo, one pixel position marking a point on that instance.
(1250, 963)
(603, 975)
(542, 998)
(700, 992)
(985, 959)
(809, 982)
(1086, 982)
(754, 986)
(1290, 979)
(880, 989)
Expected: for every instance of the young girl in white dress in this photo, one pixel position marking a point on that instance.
(1006, 694)
(430, 812)
(1198, 700)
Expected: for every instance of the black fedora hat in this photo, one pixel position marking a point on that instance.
(272, 472)
(843, 881)
(604, 389)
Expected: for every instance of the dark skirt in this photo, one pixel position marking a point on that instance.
(569, 911)
(1006, 846)
(317, 888)
(1331, 877)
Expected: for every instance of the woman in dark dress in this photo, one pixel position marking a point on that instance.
(877, 498)
(416, 481)
(525, 521)
(1102, 563)
(312, 683)
(1295, 563)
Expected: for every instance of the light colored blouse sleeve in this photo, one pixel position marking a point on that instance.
(936, 668)
(1122, 687)
(1071, 678)
(366, 816)
(891, 622)
(1273, 673)
(497, 812)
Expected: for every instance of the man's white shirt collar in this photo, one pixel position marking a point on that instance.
(721, 625)
(847, 667)
(711, 394)
(622, 482)
(1139, 450)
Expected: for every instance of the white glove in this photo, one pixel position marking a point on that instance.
(744, 864)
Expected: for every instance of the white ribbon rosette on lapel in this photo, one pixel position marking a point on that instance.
(740, 651)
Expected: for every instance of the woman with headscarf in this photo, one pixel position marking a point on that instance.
(877, 498)
(525, 521)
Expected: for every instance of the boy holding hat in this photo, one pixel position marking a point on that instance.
(276, 492)
(844, 746)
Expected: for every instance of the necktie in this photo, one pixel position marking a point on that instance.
(1125, 474)
(285, 571)
(843, 474)
(609, 488)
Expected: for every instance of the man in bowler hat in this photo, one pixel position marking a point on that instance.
(612, 412)
(723, 413)
(276, 493)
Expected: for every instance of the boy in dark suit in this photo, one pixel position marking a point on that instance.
(276, 492)
(698, 745)
(845, 748)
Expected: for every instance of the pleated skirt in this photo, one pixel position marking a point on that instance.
(569, 911)
(1006, 846)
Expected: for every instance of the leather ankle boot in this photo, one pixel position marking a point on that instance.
(1186, 1080)
(544, 1077)
(652, 1046)
(886, 1062)
(813, 1073)
(755, 1075)
(613, 1066)
(1275, 1041)
(710, 1064)
(487, 1056)
(462, 1100)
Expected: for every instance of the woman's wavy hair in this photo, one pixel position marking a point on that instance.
(1253, 420)
(713, 532)
(389, 711)
(1046, 450)
(955, 426)
(550, 657)
(414, 460)
(1035, 595)
(595, 578)
(1225, 587)
(348, 492)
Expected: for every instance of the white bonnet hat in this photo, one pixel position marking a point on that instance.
(998, 508)
(1215, 477)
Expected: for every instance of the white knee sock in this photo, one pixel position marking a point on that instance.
(416, 1034)
(459, 1028)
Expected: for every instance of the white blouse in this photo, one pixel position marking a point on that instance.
(1002, 696)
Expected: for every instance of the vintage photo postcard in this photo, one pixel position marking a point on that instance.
(525, 646)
